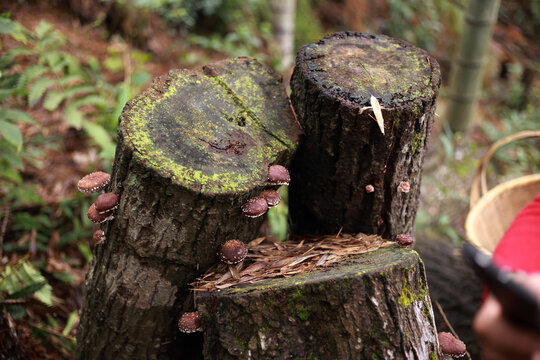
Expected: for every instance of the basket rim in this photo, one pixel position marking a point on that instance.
(485, 200)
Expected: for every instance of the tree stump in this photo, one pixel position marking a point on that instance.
(373, 306)
(191, 150)
(346, 174)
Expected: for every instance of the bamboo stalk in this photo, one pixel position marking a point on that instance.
(466, 76)
(283, 14)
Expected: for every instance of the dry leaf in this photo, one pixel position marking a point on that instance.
(267, 260)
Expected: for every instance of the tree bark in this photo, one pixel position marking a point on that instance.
(191, 150)
(343, 150)
(455, 286)
(374, 305)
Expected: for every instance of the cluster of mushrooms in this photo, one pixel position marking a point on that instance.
(106, 203)
(257, 206)
(231, 252)
(234, 251)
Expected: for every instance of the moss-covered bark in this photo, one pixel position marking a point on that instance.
(374, 306)
(191, 150)
(343, 150)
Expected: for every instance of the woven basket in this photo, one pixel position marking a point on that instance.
(491, 212)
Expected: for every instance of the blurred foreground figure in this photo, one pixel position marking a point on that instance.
(518, 251)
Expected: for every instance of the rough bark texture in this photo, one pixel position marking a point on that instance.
(191, 150)
(343, 150)
(455, 286)
(374, 306)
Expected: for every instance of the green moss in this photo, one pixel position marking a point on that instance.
(361, 67)
(299, 310)
(240, 344)
(408, 296)
(433, 356)
(204, 117)
(417, 142)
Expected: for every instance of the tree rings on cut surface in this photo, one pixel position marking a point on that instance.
(213, 132)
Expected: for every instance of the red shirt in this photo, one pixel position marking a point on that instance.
(519, 248)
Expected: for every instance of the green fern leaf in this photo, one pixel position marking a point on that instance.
(27, 291)
(31, 72)
(11, 133)
(72, 91)
(92, 99)
(101, 137)
(17, 116)
(53, 100)
(73, 116)
(25, 276)
(43, 29)
(13, 29)
(71, 79)
(38, 88)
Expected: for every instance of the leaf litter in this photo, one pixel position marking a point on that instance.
(267, 259)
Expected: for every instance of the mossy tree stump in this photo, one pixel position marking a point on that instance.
(343, 150)
(191, 150)
(374, 306)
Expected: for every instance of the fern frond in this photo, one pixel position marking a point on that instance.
(31, 72)
(38, 88)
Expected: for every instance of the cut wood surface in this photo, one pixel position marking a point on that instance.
(372, 305)
(347, 172)
(191, 150)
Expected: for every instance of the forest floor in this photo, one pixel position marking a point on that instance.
(449, 167)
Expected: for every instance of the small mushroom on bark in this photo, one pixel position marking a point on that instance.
(98, 237)
(451, 346)
(93, 182)
(232, 252)
(107, 202)
(271, 196)
(404, 240)
(189, 322)
(404, 187)
(370, 188)
(96, 217)
(255, 207)
(278, 175)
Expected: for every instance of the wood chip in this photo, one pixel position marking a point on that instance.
(378, 112)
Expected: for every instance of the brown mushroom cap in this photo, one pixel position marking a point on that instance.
(98, 236)
(232, 252)
(278, 175)
(96, 217)
(450, 345)
(107, 202)
(93, 182)
(255, 207)
(271, 196)
(404, 240)
(189, 322)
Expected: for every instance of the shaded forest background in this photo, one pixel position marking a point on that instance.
(67, 67)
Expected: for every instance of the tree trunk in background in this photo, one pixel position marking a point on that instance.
(466, 77)
(374, 305)
(191, 150)
(283, 18)
(454, 285)
(343, 150)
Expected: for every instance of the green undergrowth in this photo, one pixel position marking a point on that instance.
(39, 75)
